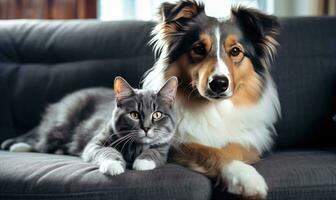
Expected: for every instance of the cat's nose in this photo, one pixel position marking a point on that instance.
(146, 129)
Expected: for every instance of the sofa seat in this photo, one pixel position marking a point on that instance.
(297, 175)
(43, 176)
(300, 175)
(290, 175)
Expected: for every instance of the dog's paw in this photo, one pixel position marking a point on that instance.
(142, 164)
(111, 167)
(242, 179)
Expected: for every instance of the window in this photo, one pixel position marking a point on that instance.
(147, 9)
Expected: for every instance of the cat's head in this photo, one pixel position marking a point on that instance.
(145, 116)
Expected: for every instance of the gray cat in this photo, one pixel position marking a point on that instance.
(113, 129)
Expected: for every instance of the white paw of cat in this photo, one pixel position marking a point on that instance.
(111, 167)
(20, 147)
(142, 164)
(243, 179)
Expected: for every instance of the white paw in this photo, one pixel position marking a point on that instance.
(111, 167)
(20, 147)
(242, 179)
(141, 165)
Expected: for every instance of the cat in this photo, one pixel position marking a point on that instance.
(124, 128)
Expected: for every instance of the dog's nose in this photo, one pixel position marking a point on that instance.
(219, 84)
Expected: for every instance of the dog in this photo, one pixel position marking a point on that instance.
(227, 102)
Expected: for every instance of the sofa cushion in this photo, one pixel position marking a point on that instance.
(43, 60)
(26, 89)
(43, 176)
(55, 51)
(60, 41)
(305, 75)
(298, 175)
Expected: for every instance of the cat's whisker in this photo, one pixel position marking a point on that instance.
(114, 134)
(130, 138)
(108, 138)
(119, 140)
(127, 131)
(125, 139)
(119, 132)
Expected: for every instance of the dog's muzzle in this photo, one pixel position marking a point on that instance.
(218, 86)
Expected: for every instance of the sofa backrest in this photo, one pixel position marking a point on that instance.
(305, 73)
(41, 61)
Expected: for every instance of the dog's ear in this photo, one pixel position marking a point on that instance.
(260, 28)
(254, 21)
(174, 18)
(184, 9)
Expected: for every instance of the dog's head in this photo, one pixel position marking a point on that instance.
(217, 58)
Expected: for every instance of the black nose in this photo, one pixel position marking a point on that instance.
(146, 129)
(219, 84)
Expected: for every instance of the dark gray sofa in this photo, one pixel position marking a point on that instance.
(41, 61)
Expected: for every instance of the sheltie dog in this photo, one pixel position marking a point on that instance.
(226, 100)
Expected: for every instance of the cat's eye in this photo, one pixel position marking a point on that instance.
(134, 115)
(156, 115)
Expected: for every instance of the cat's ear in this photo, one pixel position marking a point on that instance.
(122, 89)
(168, 90)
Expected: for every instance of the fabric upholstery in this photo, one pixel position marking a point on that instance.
(305, 74)
(43, 176)
(298, 175)
(289, 175)
(41, 61)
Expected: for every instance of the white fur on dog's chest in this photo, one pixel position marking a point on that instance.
(220, 123)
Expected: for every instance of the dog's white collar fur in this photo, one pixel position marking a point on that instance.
(220, 123)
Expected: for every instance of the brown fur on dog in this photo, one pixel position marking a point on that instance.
(210, 160)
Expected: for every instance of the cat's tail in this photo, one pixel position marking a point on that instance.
(23, 143)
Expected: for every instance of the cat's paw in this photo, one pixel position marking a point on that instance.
(142, 164)
(20, 147)
(244, 180)
(111, 167)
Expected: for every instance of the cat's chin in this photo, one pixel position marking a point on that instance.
(147, 141)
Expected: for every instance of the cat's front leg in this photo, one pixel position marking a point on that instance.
(112, 167)
(151, 158)
(109, 159)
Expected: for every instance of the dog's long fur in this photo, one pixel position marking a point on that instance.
(219, 134)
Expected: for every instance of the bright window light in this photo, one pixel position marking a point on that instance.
(147, 9)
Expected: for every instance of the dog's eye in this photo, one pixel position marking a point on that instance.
(236, 54)
(156, 115)
(199, 49)
(134, 115)
(235, 51)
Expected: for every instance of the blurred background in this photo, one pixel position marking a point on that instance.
(146, 9)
